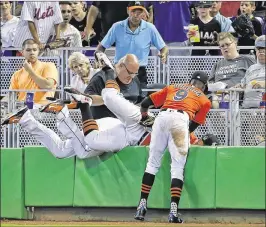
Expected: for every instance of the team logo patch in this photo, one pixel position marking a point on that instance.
(180, 95)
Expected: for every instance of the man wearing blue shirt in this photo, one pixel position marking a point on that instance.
(135, 36)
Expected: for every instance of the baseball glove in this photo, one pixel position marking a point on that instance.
(210, 140)
(243, 26)
(147, 121)
(58, 43)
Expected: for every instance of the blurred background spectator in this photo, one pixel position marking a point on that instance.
(208, 26)
(248, 7)
(18, 8)
(135, 36)
(79, 21)
(224, 21)
(66, 30)
(37, 21)
(255, 77)
(163, 15)
(111, 12)
(34, 74)
(8, 25)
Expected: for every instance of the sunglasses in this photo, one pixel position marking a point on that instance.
(129, 73)
(65, 11)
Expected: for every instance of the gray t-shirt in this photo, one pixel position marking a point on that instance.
(254, 73)
(231, 71)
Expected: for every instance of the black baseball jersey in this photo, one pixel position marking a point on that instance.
(131, 92)
(206, 35)
(80, 25)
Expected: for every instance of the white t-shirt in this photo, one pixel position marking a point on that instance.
(8, 30)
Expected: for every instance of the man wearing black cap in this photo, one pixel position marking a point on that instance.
(183, 108)
(135, 36)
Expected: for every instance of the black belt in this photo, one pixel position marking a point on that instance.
(180, 111)
(143, 136)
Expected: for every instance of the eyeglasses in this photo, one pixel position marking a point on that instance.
(225, 45)
(65, 11)
(129, 73)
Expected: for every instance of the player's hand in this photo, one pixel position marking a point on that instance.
(163, 57)
(27, 66)
(147, 121)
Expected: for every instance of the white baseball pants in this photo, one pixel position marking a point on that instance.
(128, 113)
(170, 129)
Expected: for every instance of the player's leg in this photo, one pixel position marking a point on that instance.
(178, 145)
(158, 145)
(109, 140)
(59, 148)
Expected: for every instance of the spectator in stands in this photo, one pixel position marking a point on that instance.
(66, 30)
(248, 8)
(18, 8)
(230, 70)
(79, 21)
(111, 12)
(8, 24)
(224, 21)
(135, 36)
(34, 75)
(126, 70)
(37, 21)
(164, 15)
(82, 69)
(255, 77)
(208, 29)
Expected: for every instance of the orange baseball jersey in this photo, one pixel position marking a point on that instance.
(183, 97)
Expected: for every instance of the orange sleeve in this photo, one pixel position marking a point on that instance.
(200, 117)
(158, 98)
(193, 138)
(14, 82)
(50, 72)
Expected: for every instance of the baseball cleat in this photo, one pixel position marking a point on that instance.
(78, 96)
(103, 60)
(53, 107)
(174, 219)
(140, 214)
(14, 117)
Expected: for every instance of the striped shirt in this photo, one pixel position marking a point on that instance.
(44, 15)
(8, 30)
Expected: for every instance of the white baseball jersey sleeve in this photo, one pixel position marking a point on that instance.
(44, 15)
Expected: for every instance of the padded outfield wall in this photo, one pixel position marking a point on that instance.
(215, 177)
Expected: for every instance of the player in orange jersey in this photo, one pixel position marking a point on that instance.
(183, 108)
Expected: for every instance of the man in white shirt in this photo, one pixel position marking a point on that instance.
(37, 21)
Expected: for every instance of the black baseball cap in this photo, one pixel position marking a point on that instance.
(204, 4)
(136, 5)
(200, 75)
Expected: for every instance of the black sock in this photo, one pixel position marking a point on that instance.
(147, 182)
(89, 124)
(109, 74)
(176, 189)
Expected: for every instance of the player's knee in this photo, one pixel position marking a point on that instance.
(152, 169)
(108, 94)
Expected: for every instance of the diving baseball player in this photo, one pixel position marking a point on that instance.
(103, 135)
(184, 108)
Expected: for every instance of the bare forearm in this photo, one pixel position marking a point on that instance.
(100, 48)
(33, 31)
(91, 17)
(57, 31)
(42, 83)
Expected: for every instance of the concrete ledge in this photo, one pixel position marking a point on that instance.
(153, 215)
